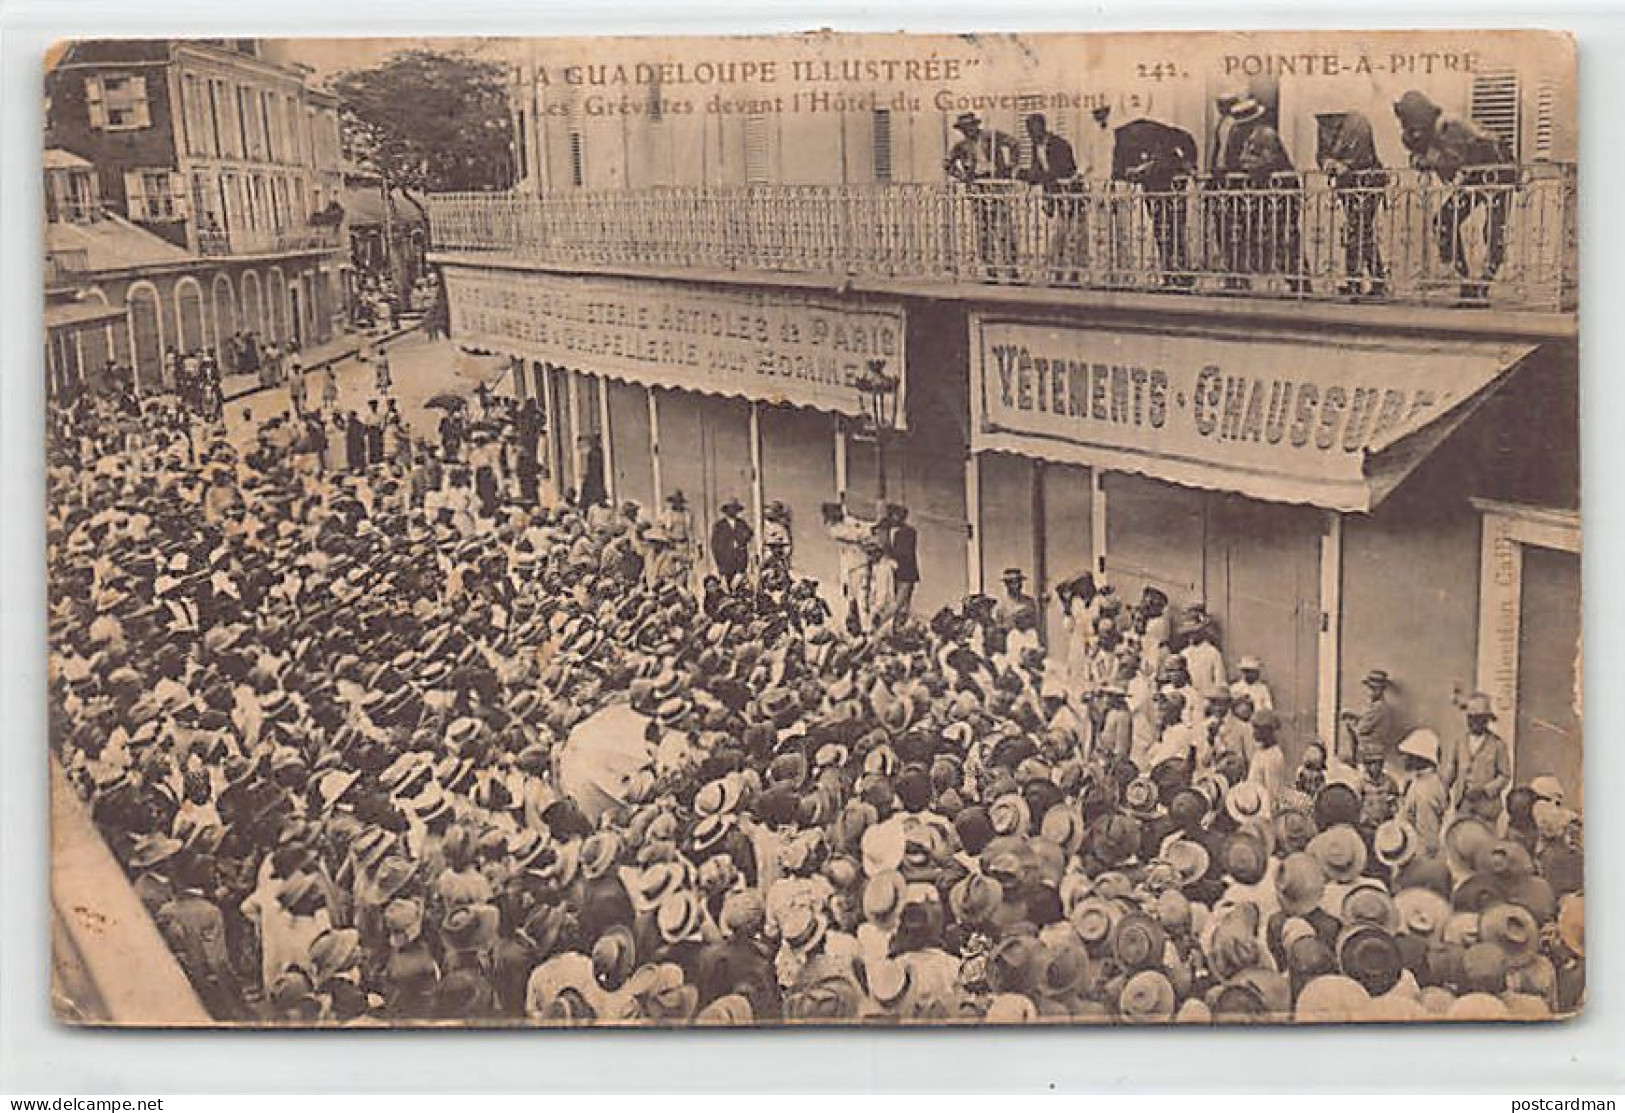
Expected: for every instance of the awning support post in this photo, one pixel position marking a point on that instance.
(654, 448)
(1097, 522)
(1330, 638)
(973, 522)
(756, 466)
(607, 442)
(840, 459)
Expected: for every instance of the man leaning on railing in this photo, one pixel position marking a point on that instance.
(1476, 165)
(1347, 153)
(1272, 216)
(1161, 159)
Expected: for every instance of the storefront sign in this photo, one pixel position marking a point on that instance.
(804, 350)
(1284, 421)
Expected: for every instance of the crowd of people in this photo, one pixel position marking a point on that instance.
(404, 739)
(1246, 199)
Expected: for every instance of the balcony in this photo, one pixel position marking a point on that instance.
(1509, 242)
(267, 242)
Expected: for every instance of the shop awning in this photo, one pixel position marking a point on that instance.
(802, 349)
(80, 314)
(1277, 418)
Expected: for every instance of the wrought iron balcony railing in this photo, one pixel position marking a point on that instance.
(266, 241)
(1506, 238)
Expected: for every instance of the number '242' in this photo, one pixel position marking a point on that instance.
(1159, 71)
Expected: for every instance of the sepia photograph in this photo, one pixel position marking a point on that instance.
(837, 529)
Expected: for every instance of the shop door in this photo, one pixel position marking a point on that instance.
(1263, 587)
(1008, 539)
(705, 453)
(1067, 547)
(1548, 728)
(629, 443)
(798, 469)
(296, 315)
(562, 430)
(925, 473)
(1155, 537)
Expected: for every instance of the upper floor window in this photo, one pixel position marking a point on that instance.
(578, 159)
(757, 169)
(1495, 107)
(70, 196)
(883, 147)
(154, 195)
(117, 101)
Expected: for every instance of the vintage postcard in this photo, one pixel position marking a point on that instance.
(837, 529)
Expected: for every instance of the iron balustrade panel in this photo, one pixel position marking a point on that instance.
(1501, 235)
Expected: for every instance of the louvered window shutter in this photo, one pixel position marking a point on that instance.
(93, 102)
(140, 112)
(135, 195)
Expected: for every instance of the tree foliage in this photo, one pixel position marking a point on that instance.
(429, 121)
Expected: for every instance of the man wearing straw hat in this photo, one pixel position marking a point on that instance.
(984, 160)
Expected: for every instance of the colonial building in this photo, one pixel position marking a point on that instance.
(718, 251)
(229, 160)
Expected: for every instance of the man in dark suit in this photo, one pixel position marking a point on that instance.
(1054, 168)
(355, 443)
(902, 547)
(1161, 159)
(594, 489)
(730, 544)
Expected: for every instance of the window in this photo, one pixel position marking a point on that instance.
(154, 196)
(248, 118)
(578, 160)
(290, 124)
(117, 101)
(204, 205)
(216, 95)
(882, 124)
(230, 202)
(521, 145)
(70, 196)
(756, 167)
(268, 128)
(189, 117)
(1495, 107)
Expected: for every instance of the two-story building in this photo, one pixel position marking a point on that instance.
(230, 159)
(716, 243)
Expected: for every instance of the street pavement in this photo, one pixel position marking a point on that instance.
(419, 367)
